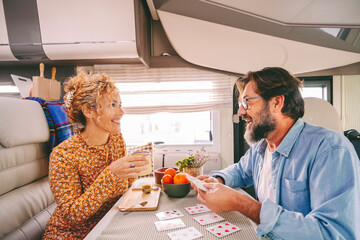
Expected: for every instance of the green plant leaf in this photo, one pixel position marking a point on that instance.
(186, 163)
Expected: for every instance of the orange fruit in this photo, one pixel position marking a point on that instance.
(167, 178)
(171, 172)
(180, 178)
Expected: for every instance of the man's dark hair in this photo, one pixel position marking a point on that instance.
(275, 81)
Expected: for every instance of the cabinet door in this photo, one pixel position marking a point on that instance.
(87, 29)
(5, 52)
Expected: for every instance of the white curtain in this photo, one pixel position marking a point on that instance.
(151, 90)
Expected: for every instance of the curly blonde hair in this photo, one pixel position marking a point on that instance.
(86, 90)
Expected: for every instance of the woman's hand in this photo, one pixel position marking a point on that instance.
(128, 166)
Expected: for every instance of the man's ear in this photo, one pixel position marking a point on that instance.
(278, 103)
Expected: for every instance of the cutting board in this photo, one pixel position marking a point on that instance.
(47, 89)
(135, 196)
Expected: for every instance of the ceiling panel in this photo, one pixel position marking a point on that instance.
(236, 50)
(328, 12)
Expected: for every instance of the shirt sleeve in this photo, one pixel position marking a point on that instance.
(239, 174)
(335, 205)
(77, 205)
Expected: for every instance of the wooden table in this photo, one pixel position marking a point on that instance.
(140, 225)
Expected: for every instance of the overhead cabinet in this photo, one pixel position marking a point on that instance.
(82, 29)
(5, 52)
(41, 30)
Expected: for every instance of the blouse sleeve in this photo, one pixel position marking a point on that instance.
(75, 204)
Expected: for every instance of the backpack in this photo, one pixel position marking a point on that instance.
(354, 137)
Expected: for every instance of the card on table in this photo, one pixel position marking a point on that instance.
(208, 218)
(169, 224)
(169, 214)
(198, 183)
(199, 208)
(185, 234)
(223, 229)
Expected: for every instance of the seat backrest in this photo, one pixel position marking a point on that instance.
(25, 196)
(321, 113)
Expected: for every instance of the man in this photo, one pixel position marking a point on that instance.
(307, 178)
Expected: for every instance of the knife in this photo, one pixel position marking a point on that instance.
(141, 204)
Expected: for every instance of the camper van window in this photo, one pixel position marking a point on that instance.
(319, 87)
(9, 90)
(168, 128)
(315, 91)
(173, 109)
(157, 112)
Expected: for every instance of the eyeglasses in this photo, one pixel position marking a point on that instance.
(245, 101)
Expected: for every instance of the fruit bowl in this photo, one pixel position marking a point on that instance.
(159, 173)
(176, 190)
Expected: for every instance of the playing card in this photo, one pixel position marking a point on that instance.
(169, 214)
(185, 234)
(223, 229)
(169, 224)
(199, 208)
(208, 218)
(198, 183)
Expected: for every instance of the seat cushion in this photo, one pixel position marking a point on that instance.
(22, 122)
(23, 204)
(21, 165)
(34, 228)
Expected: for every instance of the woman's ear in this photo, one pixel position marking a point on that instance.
(278, 103)
(88, 112)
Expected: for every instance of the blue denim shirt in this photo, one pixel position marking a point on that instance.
(316, 179)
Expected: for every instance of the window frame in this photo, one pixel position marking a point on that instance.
(320, 81)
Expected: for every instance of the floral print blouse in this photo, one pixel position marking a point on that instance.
(82, 185)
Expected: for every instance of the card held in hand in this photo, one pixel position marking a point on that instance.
(223, 229)
(175, 213)
(169, 224)
(208, 218)
(185, 234)
(199, 208)
(199, 184)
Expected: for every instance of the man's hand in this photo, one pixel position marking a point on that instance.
(219, 199)
(208, 179)
(222, 198)
(205, 179)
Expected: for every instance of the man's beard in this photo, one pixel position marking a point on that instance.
(266, 124)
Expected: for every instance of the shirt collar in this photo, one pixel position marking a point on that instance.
(287, 143)
(261, 146)
(289, 140)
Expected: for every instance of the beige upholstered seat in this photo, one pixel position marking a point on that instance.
(26, 202)
(321, 113)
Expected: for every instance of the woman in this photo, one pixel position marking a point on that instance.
(89, 171)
